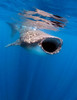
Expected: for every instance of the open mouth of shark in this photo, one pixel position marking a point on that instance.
(51, 45)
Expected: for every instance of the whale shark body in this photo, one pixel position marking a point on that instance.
(31, 36)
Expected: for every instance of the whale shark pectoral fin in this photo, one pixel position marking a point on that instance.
(17, 42)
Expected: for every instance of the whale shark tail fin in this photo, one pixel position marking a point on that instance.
(17, 42)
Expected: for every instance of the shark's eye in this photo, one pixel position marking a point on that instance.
(51, 45)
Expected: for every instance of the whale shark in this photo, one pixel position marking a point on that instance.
(31, 34)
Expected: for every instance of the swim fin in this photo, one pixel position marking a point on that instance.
(17, 42)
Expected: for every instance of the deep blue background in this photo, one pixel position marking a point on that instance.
(28, 76)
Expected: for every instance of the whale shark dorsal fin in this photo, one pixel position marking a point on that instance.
(17, 42)
(13, 29)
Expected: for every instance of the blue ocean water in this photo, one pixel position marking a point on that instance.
(29, 76)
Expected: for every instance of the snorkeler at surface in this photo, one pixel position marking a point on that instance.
(31, 35)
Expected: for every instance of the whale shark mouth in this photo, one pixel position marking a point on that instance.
(51, 45)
